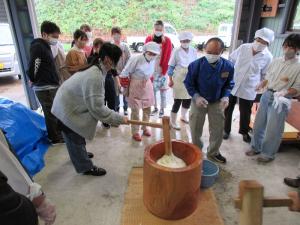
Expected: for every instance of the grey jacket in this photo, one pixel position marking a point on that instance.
(79, 102)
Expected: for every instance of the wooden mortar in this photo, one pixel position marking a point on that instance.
(172, 193)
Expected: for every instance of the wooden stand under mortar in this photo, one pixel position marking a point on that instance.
(171, 193)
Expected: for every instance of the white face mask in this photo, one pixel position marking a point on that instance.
(158, 33)
(185, 45)
(150, 57)
(212, 58)
(89, 35)
(53, 41)
(258, 47)
(289, 53)
(117, 37)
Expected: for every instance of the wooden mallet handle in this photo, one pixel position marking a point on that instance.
(143, 123)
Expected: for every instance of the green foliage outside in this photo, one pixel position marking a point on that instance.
(136, 16)
(296, 22)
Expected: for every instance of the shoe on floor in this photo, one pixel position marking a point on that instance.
(263, 159)
(125, 113)
(252, 153)
(154, 112)
(90, 155)
(246, 138)
(161, 113)
(295, 183)
(218, 158)
(137, 137)
(147, 133)
(105, 125)
(225, 136)
(57, 142)
(95, 171)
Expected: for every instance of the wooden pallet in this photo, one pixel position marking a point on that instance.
(135, 213)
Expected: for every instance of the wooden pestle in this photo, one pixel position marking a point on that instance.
(166, 131)
(167, 136)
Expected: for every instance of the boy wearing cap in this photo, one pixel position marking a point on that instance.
(180, 59)
(136, 78)
(250, 61)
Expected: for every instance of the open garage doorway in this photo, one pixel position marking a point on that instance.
(10, 77)
(204, 19)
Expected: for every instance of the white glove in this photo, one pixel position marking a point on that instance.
(35, 190)
(201, 102)
(281, 93)
(224, 102)
(46, 211)
(280, 101)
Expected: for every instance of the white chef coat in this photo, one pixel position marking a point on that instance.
(18, 178)
(249, 70)
(138, 68)
(181, 59)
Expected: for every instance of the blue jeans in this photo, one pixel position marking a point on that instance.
(77, 151)
(125, 103)
(268, 127)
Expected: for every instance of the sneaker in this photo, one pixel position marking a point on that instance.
(90, 155)
(137, 137)
(105, 125)
(295, 183)
(154, 111)
(161, 113)
(125, 113)
(95, 171)
(246, 138)
(147, 133)
(263, 159)
(218, 158)
(57, 142)
(225, 136)
(252, 152)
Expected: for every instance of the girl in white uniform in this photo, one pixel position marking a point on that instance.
(136, 78)
(180, 59)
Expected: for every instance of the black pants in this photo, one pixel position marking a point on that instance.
(186, 103)
(46, 100)
(245, 114)
(110, 92)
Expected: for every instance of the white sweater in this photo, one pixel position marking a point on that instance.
(79, 103)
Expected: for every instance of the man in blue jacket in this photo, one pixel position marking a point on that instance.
(209, 81)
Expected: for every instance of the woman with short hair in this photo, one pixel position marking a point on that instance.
(79, 105)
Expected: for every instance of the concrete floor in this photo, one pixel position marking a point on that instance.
(98, 200)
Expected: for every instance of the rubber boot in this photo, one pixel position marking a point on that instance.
(173, 121)
(184, 117)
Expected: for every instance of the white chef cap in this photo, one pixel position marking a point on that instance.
(185, 36)
(152, 47)
(265, 34)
